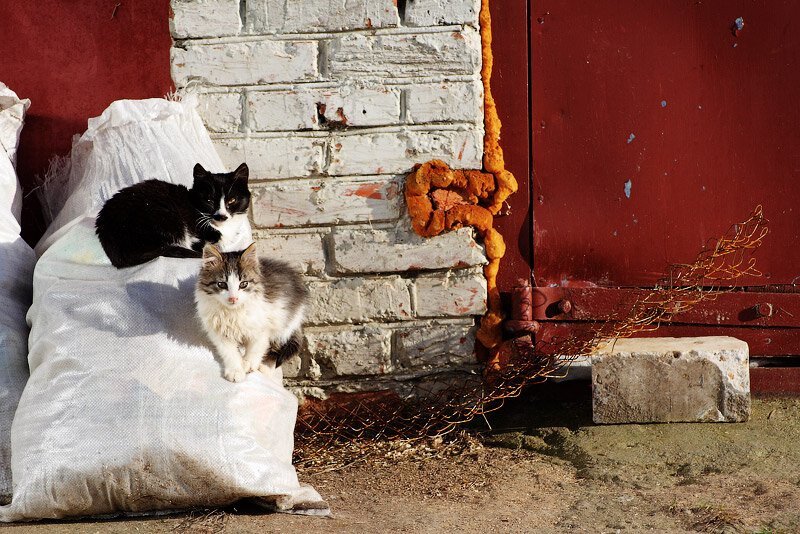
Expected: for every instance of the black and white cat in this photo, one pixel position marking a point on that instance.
(156, 218)
(252, 310)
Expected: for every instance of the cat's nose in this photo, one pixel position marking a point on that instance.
(232, 300)
(220, 217)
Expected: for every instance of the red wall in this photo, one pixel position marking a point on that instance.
(72, 59)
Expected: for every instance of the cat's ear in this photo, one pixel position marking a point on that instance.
(199, 171)
(242, 173)
(249, 256)
(211, 255)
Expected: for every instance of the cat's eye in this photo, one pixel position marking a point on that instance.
(243, 285)
(222, 285)
(231, 201)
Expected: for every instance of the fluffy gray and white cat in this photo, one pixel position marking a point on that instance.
(252, 310)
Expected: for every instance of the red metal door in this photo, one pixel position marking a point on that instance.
(655, 125)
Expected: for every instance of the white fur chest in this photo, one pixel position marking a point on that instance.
(254, 319)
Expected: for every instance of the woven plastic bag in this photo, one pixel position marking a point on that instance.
(16, 273)
(126, 410)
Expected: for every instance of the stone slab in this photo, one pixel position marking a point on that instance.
(666, 380)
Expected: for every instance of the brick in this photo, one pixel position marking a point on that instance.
(445, 102)
(435, 345)
(357, 300)
(323, 108)
(364, 251)
(397, 152)
(273, 158)
(351, 351)
(304, 252)
(451, 294)
(204, 18)
(292, 367)
(438, 12)
(668, 380)
(245, 63)
(328, 201)
(282, 16)
(406, 55)
(221, 112)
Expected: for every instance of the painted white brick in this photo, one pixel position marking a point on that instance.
(287, 16)
(438, 12)
(351, 351)
(329, 201)
(397, 152)
(366, 251)
(435, 345)
(451, 294)
(357, 300)
(245, 63)
(407, 55)
(303, 251)
(343, 106)
(271, 158)
(291, 368)
(221, 112)
(204, 18)
(445, 102)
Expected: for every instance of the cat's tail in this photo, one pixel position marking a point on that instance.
(287, 350)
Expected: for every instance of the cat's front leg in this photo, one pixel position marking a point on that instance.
(210, 235)
(230, 357)
(254, 353)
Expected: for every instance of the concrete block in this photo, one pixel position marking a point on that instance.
(445, 102)
(438, 12)
(204, 18)
(282, 16)
(325, 201)
(245, 63)
(351, 351)
(273, 157)
(397, 152)
(375, 251)
(319, 109)
(357, 300)
(435, 345)
(406, 55)
(304, 252)
(665, 380)
(453, 293)
(221, 112)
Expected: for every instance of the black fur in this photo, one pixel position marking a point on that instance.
(153, 218)
(287, 350)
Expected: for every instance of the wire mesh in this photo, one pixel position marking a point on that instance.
(342, 431)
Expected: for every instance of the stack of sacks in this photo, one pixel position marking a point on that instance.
(16, 272)
(126, 410)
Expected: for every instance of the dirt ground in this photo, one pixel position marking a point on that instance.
(546, 468)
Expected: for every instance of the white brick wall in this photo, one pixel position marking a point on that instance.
(331, 103)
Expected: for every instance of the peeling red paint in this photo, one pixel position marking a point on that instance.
(366, 191)
(457, 35)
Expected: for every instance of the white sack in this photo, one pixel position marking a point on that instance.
(16, 272)
(132, 141)
(126, 410)
(12, 117)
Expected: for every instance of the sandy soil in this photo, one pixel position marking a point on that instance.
(546, 468)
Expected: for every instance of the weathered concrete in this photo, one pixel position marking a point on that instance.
(664, 380)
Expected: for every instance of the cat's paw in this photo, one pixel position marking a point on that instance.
(236, 374)
(252, 364)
